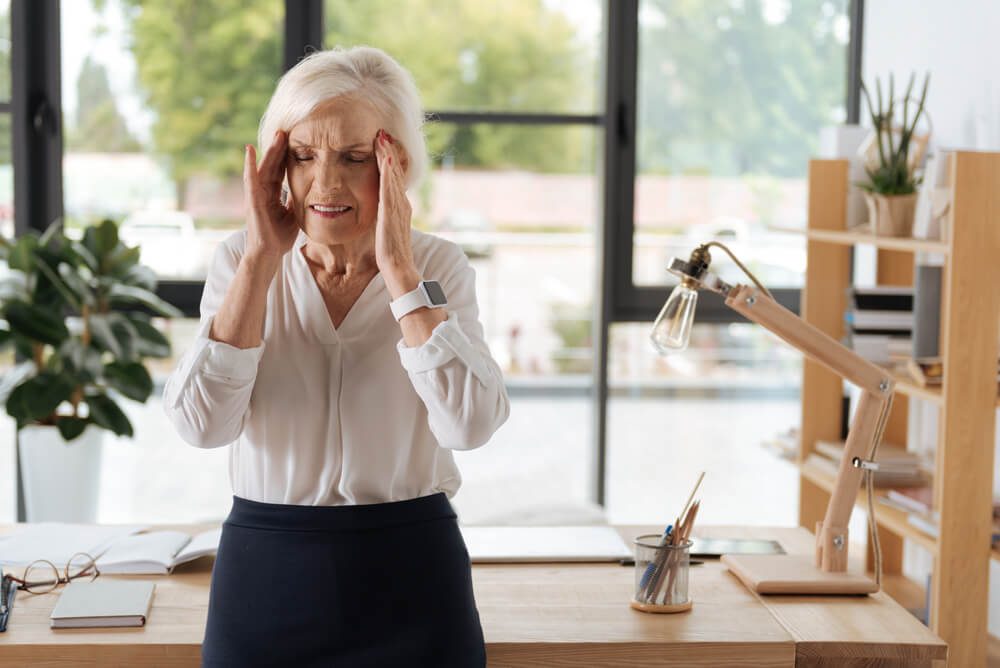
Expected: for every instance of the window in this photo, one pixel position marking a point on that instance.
(514, 142)
(576, 145)
(159, 99)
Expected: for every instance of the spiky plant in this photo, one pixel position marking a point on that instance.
(893, 175)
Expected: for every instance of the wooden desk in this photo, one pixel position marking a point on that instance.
(544, 615)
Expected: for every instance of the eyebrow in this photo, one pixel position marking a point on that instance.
(352, 147)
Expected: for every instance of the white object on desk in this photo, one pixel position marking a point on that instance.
(108, 603)
(58, 542)
(157, 552)
(541, 543)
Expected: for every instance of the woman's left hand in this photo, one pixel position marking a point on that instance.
(393, 252)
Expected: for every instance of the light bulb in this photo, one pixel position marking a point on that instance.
(672, 329)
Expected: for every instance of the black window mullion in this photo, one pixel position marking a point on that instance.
(512, 118)
(35, 105)
(303, 29)
(618, 201)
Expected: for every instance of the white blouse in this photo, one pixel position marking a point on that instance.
(328, 416)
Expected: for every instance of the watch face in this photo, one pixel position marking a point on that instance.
(435, 293)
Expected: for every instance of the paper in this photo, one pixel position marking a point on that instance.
(157, 552)
(542, 543)
(57, 542)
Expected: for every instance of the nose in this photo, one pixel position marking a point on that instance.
(329, 175)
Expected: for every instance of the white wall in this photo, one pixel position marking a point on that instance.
(958, 42)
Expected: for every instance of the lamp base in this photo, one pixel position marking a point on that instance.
(790, 574)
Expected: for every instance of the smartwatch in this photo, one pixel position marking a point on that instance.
(428, 293)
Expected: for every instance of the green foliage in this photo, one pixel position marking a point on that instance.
(726, 91)
(207, 70)
(893, 175)
(573, 324)
(517, 56)
(60, 302)
(99, 126)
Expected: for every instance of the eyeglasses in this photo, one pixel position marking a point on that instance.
(42, 576)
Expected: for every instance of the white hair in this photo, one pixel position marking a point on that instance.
(370, 74)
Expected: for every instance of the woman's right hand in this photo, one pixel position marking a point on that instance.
(271, 227)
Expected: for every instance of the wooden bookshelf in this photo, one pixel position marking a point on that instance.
(963, 476)
(891, 518)
(852, 238)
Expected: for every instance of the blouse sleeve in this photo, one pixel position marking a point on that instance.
(208, 394)
(453, 372)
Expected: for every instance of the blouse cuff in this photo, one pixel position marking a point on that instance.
(219, 359)
(447, 342)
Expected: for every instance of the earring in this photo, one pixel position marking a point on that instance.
(284, 196)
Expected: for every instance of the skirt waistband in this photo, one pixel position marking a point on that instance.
(277, 516)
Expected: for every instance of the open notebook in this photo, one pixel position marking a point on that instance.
(157, 552)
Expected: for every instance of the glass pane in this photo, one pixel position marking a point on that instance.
(156, 477)
(732, 95)
(707, 409)
(522, 202)
(4, 50)
(159, 99)
(495, 55)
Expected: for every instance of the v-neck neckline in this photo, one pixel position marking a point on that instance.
(313, 307)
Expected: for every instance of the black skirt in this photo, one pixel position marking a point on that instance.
(384, 584)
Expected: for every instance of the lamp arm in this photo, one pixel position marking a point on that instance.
(869, 419)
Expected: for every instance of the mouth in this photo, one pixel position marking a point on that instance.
(332, 211)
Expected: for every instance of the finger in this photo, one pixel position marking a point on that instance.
(250, 170)
(274, 159)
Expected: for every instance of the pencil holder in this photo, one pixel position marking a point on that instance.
(661, 575)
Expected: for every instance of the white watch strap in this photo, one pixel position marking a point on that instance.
(411, 301)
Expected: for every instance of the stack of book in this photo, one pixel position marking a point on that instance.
(897, 467)
(880, 323)
(918, 502)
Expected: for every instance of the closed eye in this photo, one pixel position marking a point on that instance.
(300, 157)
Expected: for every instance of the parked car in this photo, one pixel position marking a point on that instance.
(167, 240)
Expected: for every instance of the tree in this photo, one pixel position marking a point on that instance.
(493, 56)
(99, 125)
(207, 70)
(729, 88)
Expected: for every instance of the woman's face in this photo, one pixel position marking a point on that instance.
(331, 165)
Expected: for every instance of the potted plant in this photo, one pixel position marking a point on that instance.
(74, 314)
(894, 155)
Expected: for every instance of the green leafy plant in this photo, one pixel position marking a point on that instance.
(73, 309)
(894, 174)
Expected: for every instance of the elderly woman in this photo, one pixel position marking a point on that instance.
(340, 352)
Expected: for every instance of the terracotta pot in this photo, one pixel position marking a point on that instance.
(891, 215)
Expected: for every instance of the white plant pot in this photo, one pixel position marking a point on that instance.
(61, 479)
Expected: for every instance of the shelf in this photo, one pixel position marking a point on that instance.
(850, 238)
(906, 385)
(887, 517)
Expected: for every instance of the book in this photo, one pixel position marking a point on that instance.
(58, 541)
(897, 466)
(881, 298)
(915, 499)
(488, 544)
(880, 320)
(157, 552)
(103, 603)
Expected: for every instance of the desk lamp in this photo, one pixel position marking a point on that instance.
(787, 574)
